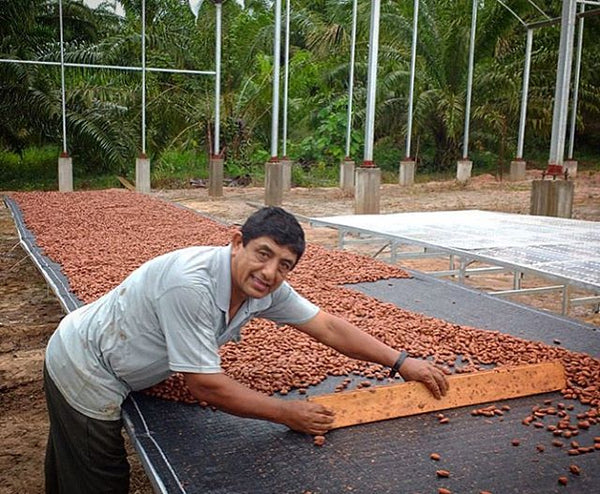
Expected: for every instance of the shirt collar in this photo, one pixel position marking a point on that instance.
(223, 277)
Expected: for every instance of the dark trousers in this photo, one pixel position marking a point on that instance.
(83, 455)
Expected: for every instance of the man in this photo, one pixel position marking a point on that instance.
(171, 315)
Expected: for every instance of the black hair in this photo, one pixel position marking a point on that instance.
(279, 225)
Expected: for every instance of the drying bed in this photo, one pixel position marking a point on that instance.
(188, 448)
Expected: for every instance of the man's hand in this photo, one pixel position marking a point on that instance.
(232, 397)
(310, 418)
(420, 370)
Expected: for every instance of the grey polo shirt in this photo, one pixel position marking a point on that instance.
(169, 315)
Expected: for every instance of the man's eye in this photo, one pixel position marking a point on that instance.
(263, 256)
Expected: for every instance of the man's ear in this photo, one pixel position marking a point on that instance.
(236, 241)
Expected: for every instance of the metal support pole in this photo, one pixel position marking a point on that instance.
(576, 83)
(144, 77)
(525, 90)
(276, 64)
(563, 76)
(411, 92)
(286, 77)
(372, 84)
(351, 78)
(108, 67)
(470, 81)
(62, 79)
(218, 17)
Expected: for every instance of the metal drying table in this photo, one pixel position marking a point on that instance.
(561, 250)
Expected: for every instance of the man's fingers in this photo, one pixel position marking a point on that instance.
(323, 420)
(443, 383)
(436, 382)
(326, 417)
(326, 411)
(434, 387)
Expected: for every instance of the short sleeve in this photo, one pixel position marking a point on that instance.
(289, 307)
(190, 321)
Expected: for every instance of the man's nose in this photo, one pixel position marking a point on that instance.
(270, 269)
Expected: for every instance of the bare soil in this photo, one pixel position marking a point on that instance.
(29, 312)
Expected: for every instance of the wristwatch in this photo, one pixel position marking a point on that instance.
(396, 367)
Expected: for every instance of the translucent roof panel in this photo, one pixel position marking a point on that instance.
(561, 247)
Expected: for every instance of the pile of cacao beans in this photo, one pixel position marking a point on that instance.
(99, 237)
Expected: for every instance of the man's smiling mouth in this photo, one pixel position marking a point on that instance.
(259, 283)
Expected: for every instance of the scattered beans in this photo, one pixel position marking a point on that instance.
(574, 469)
(562, 480)
(435, 456)
(442, 473)
(319, 440)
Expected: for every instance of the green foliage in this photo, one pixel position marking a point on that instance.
(176, 168)
(31, 165)
(387, 154)
(103, 119)
(315, 175)
(327, 143)
(36, 168)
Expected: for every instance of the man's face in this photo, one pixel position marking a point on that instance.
(260, 267)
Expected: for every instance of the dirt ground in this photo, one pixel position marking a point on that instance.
(29, 312)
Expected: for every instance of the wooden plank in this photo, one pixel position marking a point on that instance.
(410, 398)
(128, 185)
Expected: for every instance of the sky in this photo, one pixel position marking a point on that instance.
(95, 3)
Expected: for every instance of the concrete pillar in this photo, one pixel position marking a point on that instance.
(273, 183)
(407, 172)
(142, 174)
(552, 198)
(65, 173)
(286, 165)
(215, 176)
(517, 170)
(570, 166)
(366, 198)
(347, 175)
(463, 170)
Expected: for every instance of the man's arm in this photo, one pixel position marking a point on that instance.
(346, 338)
(232, 397)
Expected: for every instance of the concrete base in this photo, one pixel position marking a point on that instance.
(570, 166)
(286, 166)
(273, 183)
(367, 195)
(347, 168)
(517, 170)
(65, 174)
(142, 175)
(407, 172)
(552, 198)
(215, 177)
(463, 170)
